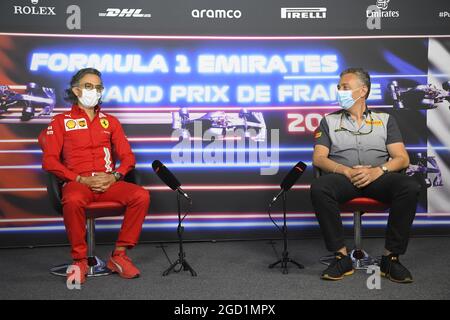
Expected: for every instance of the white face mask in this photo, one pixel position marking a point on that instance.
(89, 98)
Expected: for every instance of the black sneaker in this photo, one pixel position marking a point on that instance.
(341, 266)
(392, 269)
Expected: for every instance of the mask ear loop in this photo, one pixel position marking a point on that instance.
(363, 95)
(359, 96)
(358, 99)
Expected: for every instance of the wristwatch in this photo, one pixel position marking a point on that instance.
(117, 175)
(385, 169)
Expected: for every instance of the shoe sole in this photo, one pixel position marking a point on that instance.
(384, 275)
(114, 269)
(327, 277)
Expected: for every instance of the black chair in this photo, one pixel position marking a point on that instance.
(94, 210)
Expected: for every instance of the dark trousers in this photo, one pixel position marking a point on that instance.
(399, 190)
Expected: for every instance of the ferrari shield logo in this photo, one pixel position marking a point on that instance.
(104, 123)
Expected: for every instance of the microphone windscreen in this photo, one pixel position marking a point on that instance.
(165, 175)
(293, 176)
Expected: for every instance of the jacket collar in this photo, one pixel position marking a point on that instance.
(365, 114)
(76, 110)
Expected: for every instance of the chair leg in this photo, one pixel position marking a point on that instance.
(361, 259)
(97, 267)
(357, 216)
(90, 235)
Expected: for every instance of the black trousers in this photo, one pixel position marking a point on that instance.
(399, 190)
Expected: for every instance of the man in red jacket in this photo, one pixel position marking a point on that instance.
(78, 147)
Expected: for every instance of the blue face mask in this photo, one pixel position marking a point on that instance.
(345, 98)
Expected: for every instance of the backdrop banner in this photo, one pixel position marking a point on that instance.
(228, 96)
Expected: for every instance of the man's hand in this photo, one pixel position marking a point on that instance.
(86, 180)
(362, 176)
(100, 182)
(350, 172)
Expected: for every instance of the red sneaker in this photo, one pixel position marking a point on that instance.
(84, 268)
(122, 264)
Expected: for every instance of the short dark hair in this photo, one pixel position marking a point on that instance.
(70, 96)
(362, 75)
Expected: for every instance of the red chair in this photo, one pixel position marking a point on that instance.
(94, 210)
(358, 206)
(361, 259)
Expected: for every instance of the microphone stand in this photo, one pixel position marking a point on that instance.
(285, 255)
(181, 261)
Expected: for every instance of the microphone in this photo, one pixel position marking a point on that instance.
(290, 179)
(168, 178)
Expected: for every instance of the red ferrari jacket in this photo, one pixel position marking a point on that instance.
(73, 145)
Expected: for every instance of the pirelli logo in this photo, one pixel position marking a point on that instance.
(377, 123)
(303, 13)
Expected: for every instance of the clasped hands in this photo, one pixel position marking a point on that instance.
(362, 176)
(99, 182)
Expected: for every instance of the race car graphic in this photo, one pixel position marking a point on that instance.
(426, 169)
(421, 97)
(221, 123)
(28, 97)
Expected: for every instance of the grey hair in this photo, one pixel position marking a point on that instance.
(70, 96)
(362, 75)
